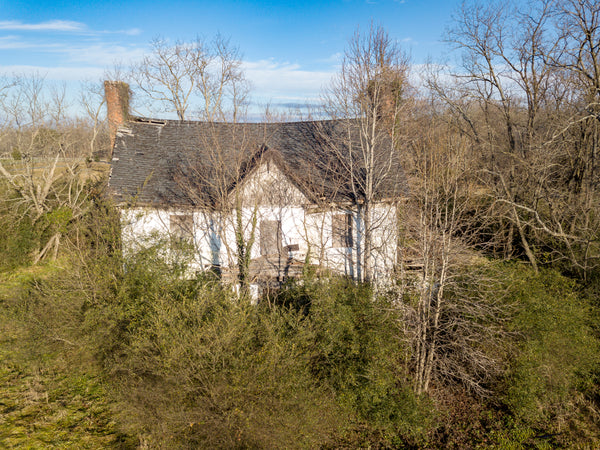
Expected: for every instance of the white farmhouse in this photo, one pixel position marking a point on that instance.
(268, 198)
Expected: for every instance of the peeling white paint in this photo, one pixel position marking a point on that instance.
(270, 195)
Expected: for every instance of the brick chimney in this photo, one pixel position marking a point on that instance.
(117, 107)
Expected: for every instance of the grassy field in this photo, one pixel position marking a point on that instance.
(44, 402)
(87, 170)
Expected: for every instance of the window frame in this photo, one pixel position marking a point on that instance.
(181, 227)
(342, 230)
(266, 241)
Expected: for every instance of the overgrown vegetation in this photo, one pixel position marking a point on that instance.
(486, 336)
(126, 352)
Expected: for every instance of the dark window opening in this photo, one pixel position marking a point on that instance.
(342, 230)
(181, 227)
(270, 237)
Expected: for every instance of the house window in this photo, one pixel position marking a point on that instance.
(342, 230)
(270, 237)
(181, 227)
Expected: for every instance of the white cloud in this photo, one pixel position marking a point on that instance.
(62, 26)
(15, 42)
(11, 42)
(132, 32)
(336, 58)
(51, 25)
(103, 54)
(54, 73)
(95, 54)
(128, 32)
(284, 81)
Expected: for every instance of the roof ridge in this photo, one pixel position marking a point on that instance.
(158, 121)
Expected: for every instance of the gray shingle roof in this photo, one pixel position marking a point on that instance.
(189, 163)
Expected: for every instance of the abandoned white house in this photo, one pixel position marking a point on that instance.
(267, 195)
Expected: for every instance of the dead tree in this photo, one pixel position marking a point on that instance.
(367, 98)
(93, 102)
(197, 78)
(526, 95)
(443, 322)
(45, 171)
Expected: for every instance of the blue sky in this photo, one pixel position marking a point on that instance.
(290, 48)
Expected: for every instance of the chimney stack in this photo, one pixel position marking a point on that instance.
(117, 107)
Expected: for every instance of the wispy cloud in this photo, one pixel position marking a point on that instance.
(62, 26)
(336, 58)
(277, 80)
(103, 54)
(54, 73)
(70, 62)
(95, 53)
(15, 43)
(51, 25)
(11, 42)
(132, 32)
(128, 32)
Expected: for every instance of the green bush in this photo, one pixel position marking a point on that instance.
(19, 237)
(195, 366)
(546, 356)
(356, 348)
(18, 241)
(555, 355)
(16, 154)
(206, 370)
(324, 363)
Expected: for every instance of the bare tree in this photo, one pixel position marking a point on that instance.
(368, 98)
(200, 78)
(45, 176)
(209, 181)
(495, 64)
(223, 86)
(93, 102)
(168, 75)
(525, 96)
(573, 220)
(444, 321)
